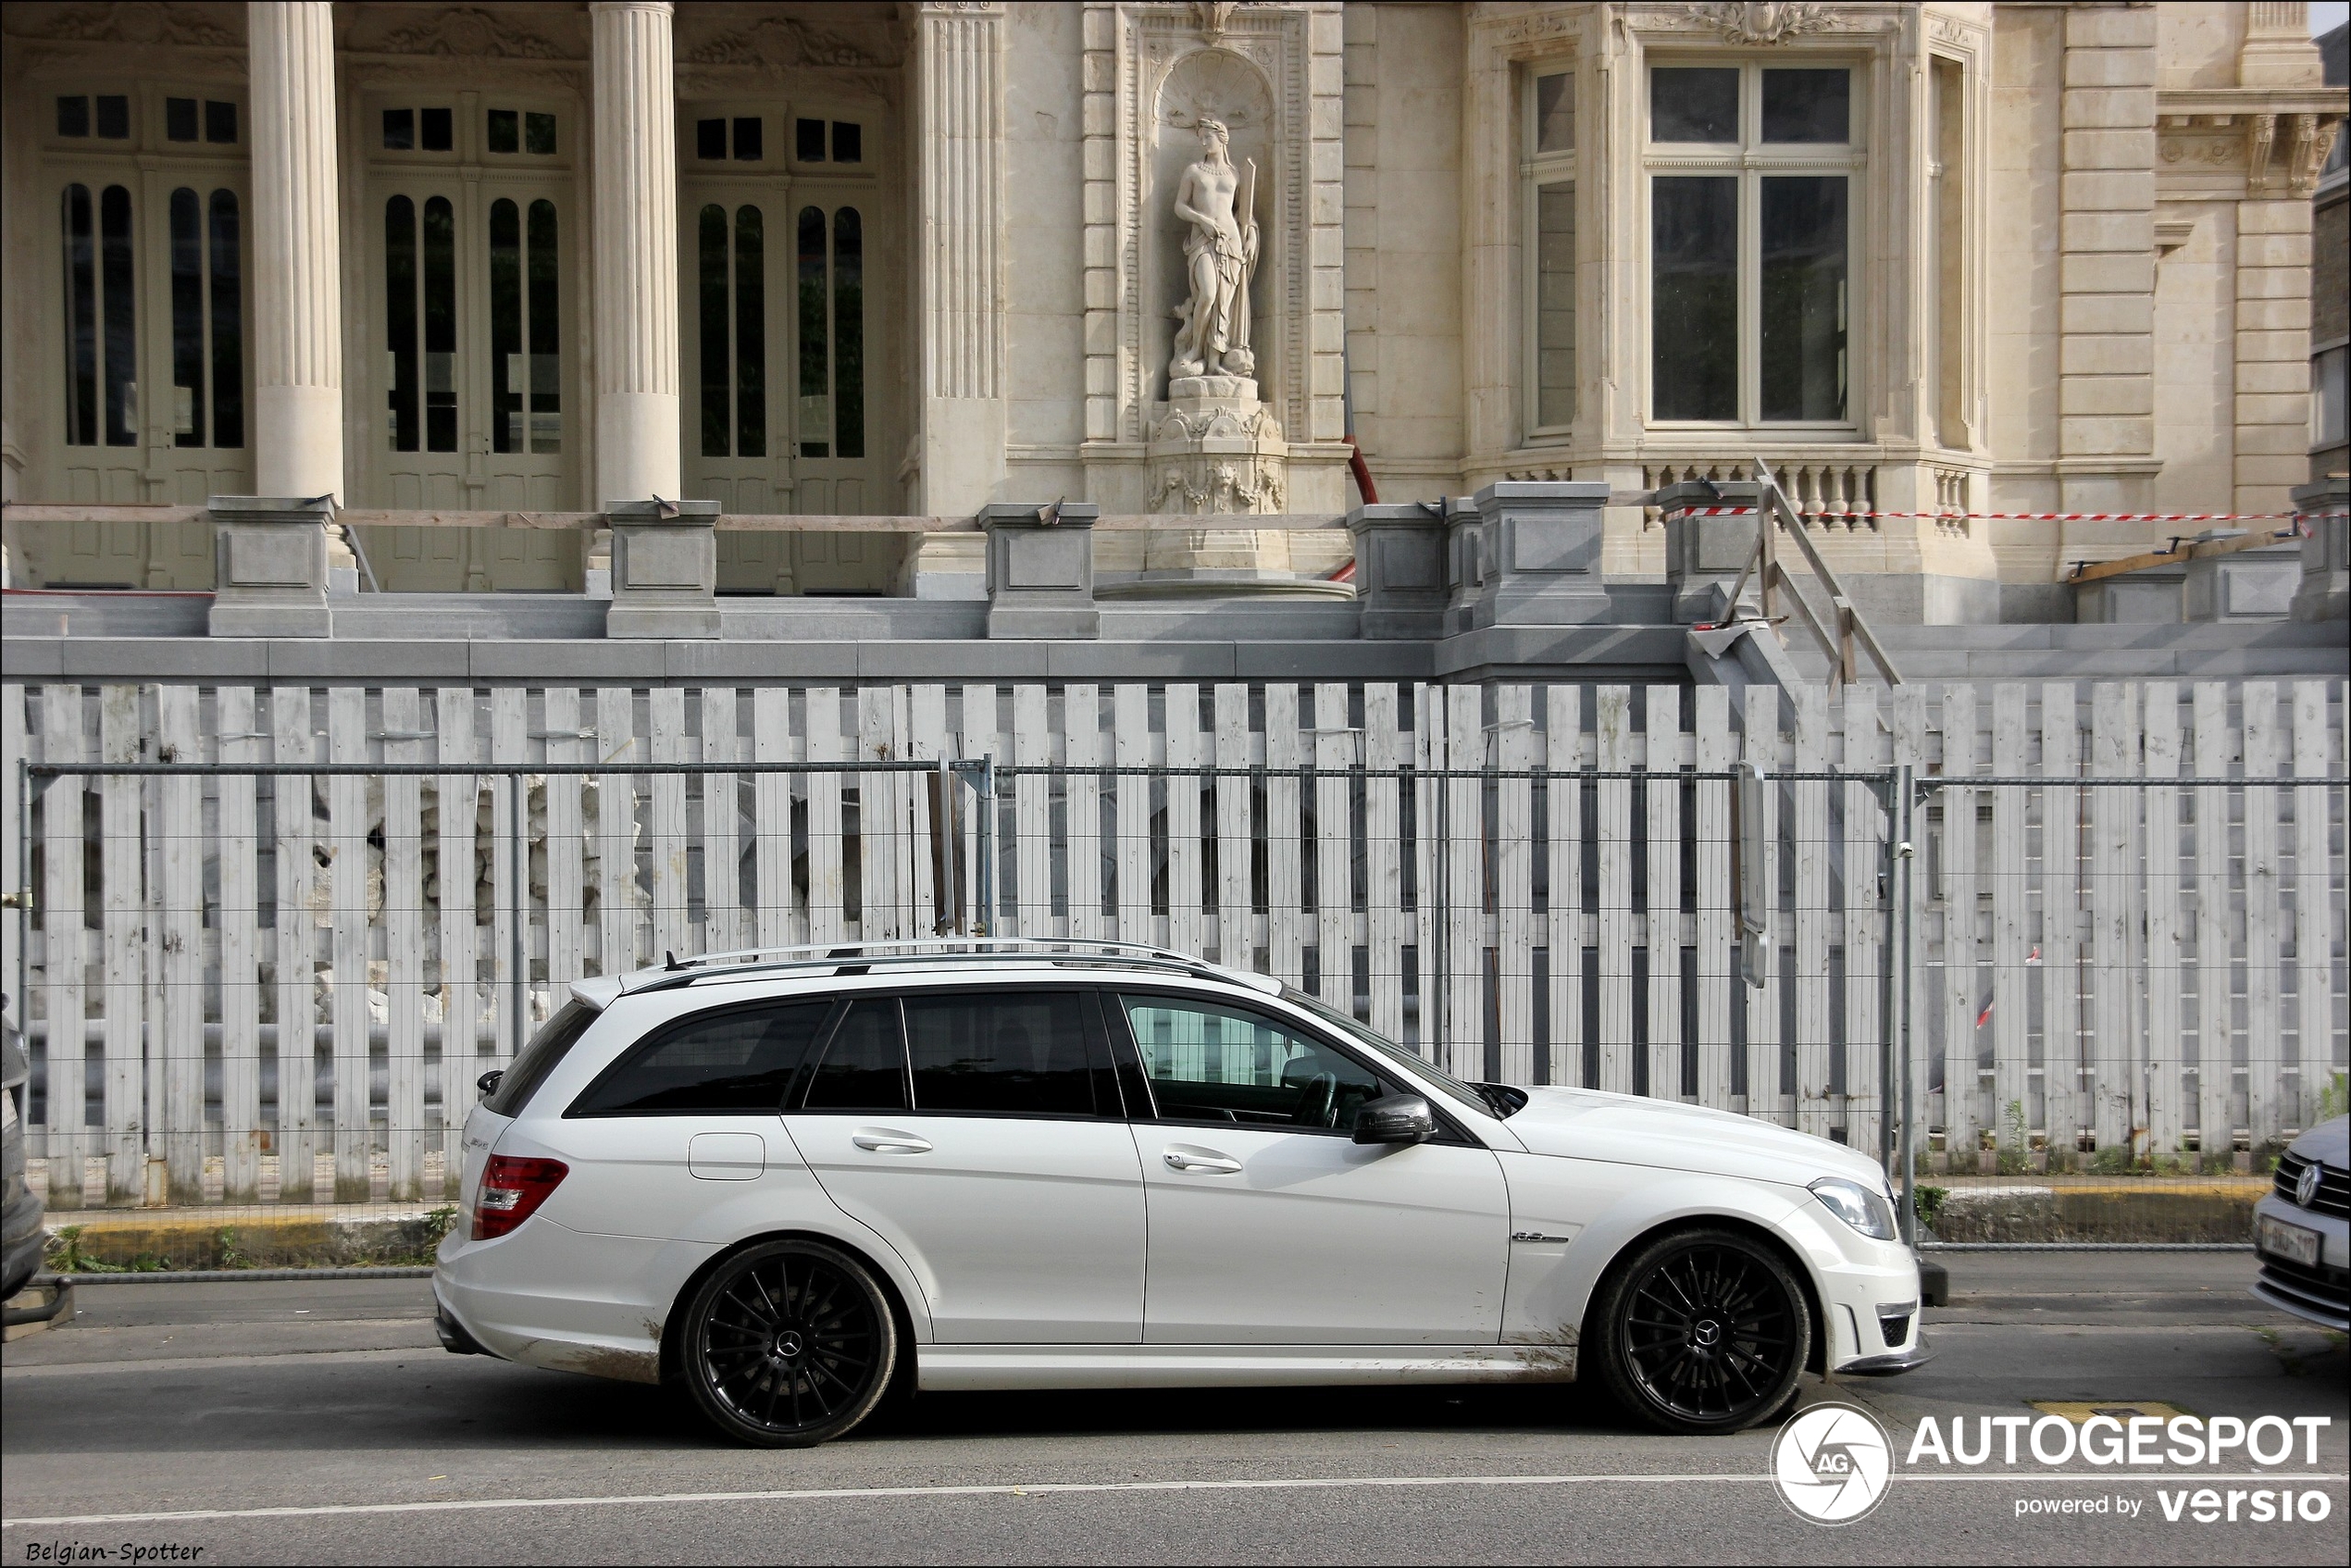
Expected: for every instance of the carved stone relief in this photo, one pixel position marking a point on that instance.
(1763, 23)
(775, 43)
(141, 22)
(469, 32)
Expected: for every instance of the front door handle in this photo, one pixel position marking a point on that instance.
(887, 1140)
(1203, 1160)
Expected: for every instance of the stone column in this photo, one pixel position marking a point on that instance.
(271, 566)
(297, 255)
(1040, 569)
(2325, 592)
(1539, 553)
(2106, 352)
(959, 264)
(1703, 553)
(1399, 569)
(664, 569)
(635, 223)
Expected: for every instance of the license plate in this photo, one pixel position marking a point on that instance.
(2291, 1242)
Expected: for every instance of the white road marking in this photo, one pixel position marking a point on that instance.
(1048, 1489)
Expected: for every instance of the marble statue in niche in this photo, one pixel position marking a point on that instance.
(1218, 201)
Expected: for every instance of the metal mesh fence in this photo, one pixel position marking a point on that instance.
(271, 939)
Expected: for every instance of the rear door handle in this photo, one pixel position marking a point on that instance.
(1203, 1160)
(887, 1140)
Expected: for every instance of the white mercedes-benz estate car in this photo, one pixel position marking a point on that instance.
(793, 1181)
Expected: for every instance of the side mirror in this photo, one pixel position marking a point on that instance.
(1403, 1118)
(487, 1082)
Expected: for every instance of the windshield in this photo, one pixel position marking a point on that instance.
(1372, 1040)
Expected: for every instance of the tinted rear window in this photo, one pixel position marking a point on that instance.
(738, 1061)
(865, 1065)
(1016, 1052)
(548, 1046)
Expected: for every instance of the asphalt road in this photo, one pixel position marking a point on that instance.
(318, 1423)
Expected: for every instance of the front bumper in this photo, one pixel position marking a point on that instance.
(1893, 1361)
(2319, 1292)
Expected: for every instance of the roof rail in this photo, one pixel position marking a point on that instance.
(675, 971)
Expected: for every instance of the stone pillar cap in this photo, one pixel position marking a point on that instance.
(1041, 514)
(1580, 492)
(657, 509)
(1429, 512)
(310, 506)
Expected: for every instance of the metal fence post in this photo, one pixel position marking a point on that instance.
(518, 819)
(987, 927)
(1905, 855)
(1886, 789)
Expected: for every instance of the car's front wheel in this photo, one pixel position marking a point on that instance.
(1700, 1332)
(789, 1344)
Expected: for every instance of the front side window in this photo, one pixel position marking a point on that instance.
(1550, 285)
(1750, 234)
(1208, 1063)
(1015, 1053)
(734, 1063)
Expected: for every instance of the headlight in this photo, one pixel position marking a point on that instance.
(1869, 1212)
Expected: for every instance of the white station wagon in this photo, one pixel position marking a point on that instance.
(795, 1180)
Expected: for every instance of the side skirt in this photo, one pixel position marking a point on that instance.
(957, 1368)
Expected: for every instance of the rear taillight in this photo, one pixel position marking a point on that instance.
(511, 1190)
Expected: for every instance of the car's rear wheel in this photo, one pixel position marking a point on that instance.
(1701, 1331)
(789, 1344)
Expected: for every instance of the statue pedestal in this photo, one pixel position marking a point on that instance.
(1218, 455)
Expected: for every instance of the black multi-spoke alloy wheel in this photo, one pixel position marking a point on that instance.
(789, 1344)
(1701, 1331)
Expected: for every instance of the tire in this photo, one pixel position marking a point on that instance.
(1700, 1332)
(789, 1344)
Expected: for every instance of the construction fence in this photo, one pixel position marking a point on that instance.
(267, 939)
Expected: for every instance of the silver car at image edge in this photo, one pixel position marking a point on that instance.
(2302, 1228)
(793, 1180)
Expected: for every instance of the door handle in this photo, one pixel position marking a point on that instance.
(1215, 1165)
(883, 1140)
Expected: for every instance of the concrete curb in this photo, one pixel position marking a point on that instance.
(214, 1276)
(198, 1240)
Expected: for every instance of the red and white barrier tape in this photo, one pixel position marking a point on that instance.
(2028, 516)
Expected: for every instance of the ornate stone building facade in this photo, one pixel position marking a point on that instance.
(506, 264)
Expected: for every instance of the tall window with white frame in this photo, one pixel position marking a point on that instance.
(469, 253)
(150, 202)
(1548, 200)
(1752, 170)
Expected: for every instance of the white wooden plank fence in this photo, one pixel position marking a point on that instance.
(282, 987)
